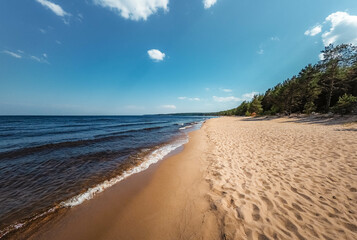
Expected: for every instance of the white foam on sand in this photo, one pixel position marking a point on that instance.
(197, 125)
(21, 224)
(152, 158)
(188, 126)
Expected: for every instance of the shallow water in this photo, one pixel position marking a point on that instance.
(48, 162)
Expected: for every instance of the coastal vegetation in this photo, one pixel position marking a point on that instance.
(328, 86)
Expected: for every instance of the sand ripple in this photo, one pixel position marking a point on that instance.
(279, 179)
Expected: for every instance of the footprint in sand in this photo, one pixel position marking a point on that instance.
(262, 237)
(240, 213)
(297, 207)
(256, 213)
(269, 204)
(248, 174)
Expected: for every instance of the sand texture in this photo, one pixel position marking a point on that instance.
(283, 178)
(237, 178)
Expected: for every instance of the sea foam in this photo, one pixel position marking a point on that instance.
(152, 158)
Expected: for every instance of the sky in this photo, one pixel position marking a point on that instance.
(125, 57)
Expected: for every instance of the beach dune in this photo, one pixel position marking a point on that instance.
(237, 178)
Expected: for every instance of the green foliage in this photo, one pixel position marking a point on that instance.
(256, 105)
(242, 108)
(314, 89)
(334, 68)
(346, 104)
(309, 107)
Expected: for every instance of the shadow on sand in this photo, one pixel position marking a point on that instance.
(314, 119)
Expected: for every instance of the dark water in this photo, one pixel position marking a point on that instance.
(47, 160)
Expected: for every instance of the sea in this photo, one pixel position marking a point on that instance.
(52, 162)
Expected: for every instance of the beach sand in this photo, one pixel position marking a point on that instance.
(237, 178)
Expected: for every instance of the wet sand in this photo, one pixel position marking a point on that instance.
(167, 201)
(237, 178)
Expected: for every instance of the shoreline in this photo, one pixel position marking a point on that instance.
(77, 222)
(137, 163)
(236, 178)
(146, 168)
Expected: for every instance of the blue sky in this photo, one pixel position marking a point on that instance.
(158, 56)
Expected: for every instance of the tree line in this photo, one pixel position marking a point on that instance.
(328, 86)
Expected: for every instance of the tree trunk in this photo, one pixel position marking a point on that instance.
(329, 94)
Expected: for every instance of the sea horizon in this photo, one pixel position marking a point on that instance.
(186, 119)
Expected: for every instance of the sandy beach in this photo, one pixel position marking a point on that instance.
(237, 178)
(178, 120)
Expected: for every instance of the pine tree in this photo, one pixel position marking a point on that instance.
(256, 105)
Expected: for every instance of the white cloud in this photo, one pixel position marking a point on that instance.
(313, 31)
(21, 54)
(209, 3)
(134, 9)
(343, 29)
(58, 42)
(207, 89)
(42, 30)
(168, 106)
(35, 58)
(226, 99)
(248, 96)
(12, 54)
(40, 59)
(80, 17)
(226, 90)
(275, 39)
(189, 99)
(321, 56)
(244, 97)
(156, 55)
(260, 52)
(57, 9)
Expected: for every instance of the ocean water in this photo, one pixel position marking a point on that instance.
(49, 162)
